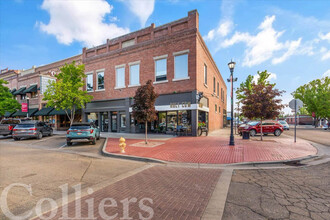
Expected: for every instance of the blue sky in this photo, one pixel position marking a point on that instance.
(290, 39)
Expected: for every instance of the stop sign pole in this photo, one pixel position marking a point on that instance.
(295, 104)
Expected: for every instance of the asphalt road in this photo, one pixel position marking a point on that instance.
(316, 135)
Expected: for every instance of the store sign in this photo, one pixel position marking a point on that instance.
(178, 104)
(24, 107)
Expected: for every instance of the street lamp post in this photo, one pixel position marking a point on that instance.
(28, 107)
(231, 66)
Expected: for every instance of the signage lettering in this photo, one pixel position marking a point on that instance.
(24, 107)
(179, 105)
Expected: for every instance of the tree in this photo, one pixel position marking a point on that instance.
(262, 79)
(7, 102)
(144, 105)
(66, 92)
(316, 97)
(261, 103)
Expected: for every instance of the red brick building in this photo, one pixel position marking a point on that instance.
(175, 57)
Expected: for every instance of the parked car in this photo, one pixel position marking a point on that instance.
(31, 129)
(325, 127)
(83, 131)
(285, 124)
(7, 126)
(268, 127)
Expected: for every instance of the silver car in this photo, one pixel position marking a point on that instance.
(285, 125)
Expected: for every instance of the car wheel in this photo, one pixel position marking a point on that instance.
(98, 137)
(277, 132)
(16, 139)
(253, 132)
(51, 133)
(39, 135)
(93, 141)
(68, 143)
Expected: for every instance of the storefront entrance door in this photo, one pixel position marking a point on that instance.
(114, 122)
(104, 121)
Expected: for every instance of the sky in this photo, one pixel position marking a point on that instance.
(288, 38)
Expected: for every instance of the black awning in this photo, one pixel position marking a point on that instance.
(12, 91)
(20, 91)
(8, 114)
(44, 111)
(31, 89)
(62, 112)
(32, 111)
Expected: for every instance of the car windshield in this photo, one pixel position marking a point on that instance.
(77, 127)
(25, 126)
(253, 123)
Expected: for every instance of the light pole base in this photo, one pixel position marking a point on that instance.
(231, 142)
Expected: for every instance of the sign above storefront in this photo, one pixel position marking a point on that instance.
(178, 104)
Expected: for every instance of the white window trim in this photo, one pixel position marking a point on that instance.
(32, 84)
(161, 57)
(118, 67)
(97, 79)
(22, 86)
(183, 53)
(129, 86)
(156, 66)
(129, 70)
(180, 79)
(180, 52)
(90, 73)
(99, 90)
(159, 82)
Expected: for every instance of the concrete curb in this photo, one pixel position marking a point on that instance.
(203, 165)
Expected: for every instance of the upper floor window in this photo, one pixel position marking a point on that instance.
(89, 82)
(120, 77)
(218, 90)
(100, 80)
(161, 70)
(181, 66)
(134, 74)
(219, 110)
(214, 85)
(216, 108)
(23, 97)
(205, 74)
(221, 94)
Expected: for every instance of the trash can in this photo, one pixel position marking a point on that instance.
(246, 135)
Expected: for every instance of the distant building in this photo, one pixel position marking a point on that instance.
(301, 120)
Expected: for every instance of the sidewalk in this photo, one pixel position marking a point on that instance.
(214, 149)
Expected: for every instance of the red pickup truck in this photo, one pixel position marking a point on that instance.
(268, 127)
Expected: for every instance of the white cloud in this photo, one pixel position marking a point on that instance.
(225, 25)
(141, 8)
(325, 36)
(325, 55)
(81, 21)
(262, 46)
(326, 74)
(271, 76)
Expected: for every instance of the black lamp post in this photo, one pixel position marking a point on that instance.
(28, 107)
(231, 66)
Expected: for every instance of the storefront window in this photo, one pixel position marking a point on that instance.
(203, 118)
(184, 119)
(92, 117)
(162, 121)
(104, 121)
(171, 120)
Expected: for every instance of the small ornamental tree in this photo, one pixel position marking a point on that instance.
(144, 105)
(261, 103)
(66, 92)
(7, 102)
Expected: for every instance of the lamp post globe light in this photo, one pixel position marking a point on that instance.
(231, 66)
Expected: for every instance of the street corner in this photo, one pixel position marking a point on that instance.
(212, 150)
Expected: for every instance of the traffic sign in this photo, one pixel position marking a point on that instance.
(294, 102)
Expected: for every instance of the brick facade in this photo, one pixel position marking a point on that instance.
(143, 46)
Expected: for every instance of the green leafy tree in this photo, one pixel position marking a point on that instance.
(144, 105)
(316, 97)
(247, 84)
(7, 102)
(66, 92)
(261, 102)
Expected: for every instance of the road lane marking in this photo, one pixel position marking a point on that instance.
(62, 146)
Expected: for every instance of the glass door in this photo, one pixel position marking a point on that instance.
(104, 122)
(114, 121)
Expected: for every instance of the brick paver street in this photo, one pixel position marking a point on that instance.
(215, 150)
(176, 193)
(301, 193)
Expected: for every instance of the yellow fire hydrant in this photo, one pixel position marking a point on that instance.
(122, 145)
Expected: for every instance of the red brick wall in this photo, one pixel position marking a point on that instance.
(204, 57)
